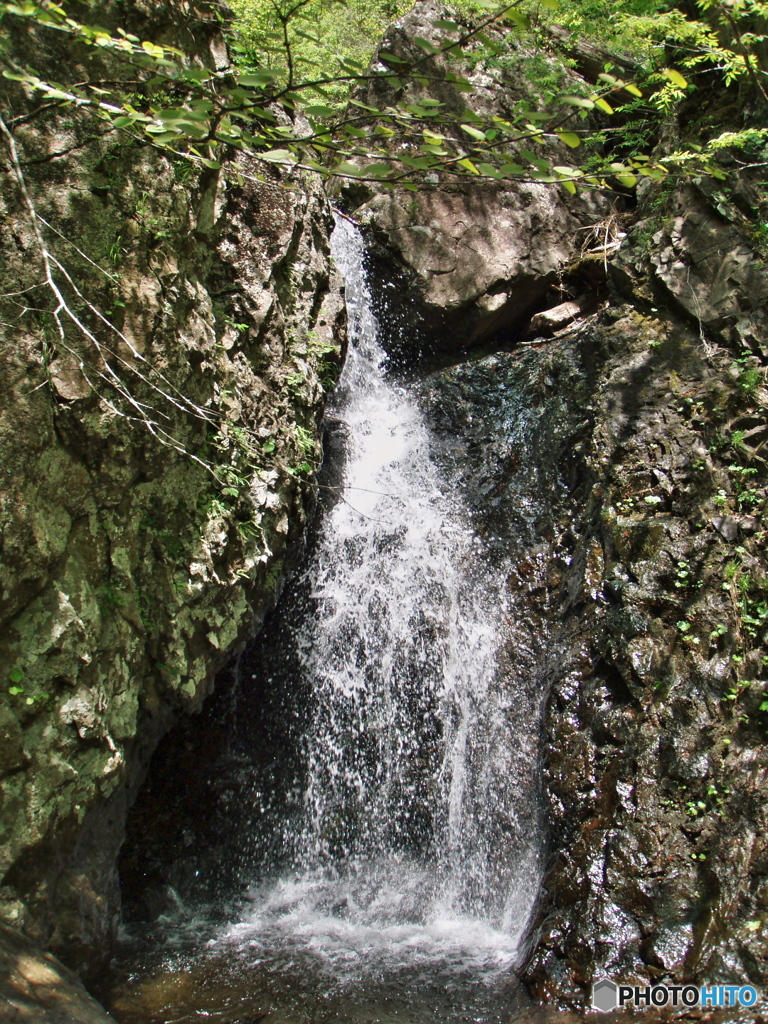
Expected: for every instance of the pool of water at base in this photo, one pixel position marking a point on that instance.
(320, 950)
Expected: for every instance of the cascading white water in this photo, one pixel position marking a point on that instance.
(410, 844)
(378, 788)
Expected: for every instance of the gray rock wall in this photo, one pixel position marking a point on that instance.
(464, 263)
(156, 473)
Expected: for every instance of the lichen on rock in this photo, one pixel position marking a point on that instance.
(157, 472)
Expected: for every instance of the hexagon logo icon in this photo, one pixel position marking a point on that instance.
(604, 995)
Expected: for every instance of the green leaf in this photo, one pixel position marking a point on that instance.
(634, 91)
(15, 77)
(541, 165)
(363, 106)
(199, 114)
(569, 187)
(628, 180)
(158, 129)
(278, 156)
(391, 58)
(164, 137)
(376, 170)
(348, 169)
(578, 101)
(569, 139)
(196, 75)
(675, 78)
(258, 79)
(419, 163)
(152, 49)
(15, 690)
(16, 675)
(468, 165)
(473, 132)
(459, 83)
(319, 110)
(268, 447)
(509, 170)
(603, 105)
(519, 19)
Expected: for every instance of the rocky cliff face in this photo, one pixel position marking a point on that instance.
(460, 265)
(655, 734)
(646, 589)
(158, 435)
(156, 486)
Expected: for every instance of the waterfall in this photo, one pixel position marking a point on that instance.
(374, 812)
(406, 832)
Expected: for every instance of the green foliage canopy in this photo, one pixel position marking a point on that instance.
(292, 98)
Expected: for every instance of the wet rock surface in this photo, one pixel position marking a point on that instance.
(36, 988)
(654, 739)
(456, 269)
(625, 615)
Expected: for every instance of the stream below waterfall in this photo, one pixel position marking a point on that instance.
(366, 842)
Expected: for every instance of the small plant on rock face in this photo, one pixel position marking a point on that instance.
(16, 677)
(117, 251)
(683, 575)
(305, 440)
(294, 382)
(109, 598)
